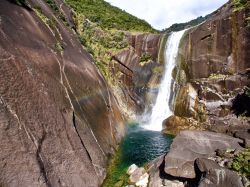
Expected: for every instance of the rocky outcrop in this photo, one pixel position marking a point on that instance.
(197, 159)
(174, 124)
(214, 175)
(138, 176)
(212, 68)
(137, 66)
(190, 145)
(59, 121)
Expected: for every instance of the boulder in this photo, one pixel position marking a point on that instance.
(190, 145)
(137, 175)
(143, 181)
(154, 172)
(213, 175)
(131, 169)
(174, 124)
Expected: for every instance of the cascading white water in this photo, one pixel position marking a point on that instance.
(161, 110)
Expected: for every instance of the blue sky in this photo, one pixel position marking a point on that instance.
(163, 13)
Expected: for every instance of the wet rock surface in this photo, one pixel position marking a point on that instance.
(135, 72)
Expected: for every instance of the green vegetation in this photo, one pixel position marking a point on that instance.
(52, 5)
(20, 2)
(109, 17)
(145, 58)
(241, 163)
(217, 76)
(58, 13)
(158, 69)
(100, 43)
(116, 176)
(102, 28)
(59, 46)
(48, 21)
(52, 25)
(240, 4)
(180, 26)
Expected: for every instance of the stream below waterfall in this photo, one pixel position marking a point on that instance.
(144, 141)
(138, 147)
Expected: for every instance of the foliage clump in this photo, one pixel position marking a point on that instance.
(145, 58)
(99, 42)
(109, 17)
(240, 4)
(241, 163)
(181, 26)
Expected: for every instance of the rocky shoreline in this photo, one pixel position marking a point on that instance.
(196, 158)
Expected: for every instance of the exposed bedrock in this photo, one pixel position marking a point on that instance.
(213, 68)
(59, 121)
(193, 161)
(190, 145)
(137, 68)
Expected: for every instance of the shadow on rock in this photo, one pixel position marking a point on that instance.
(187, 182)
(241, 104)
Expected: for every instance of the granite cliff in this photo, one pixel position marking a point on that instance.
(212, 69)
(61, 118)
(212, 94)
(60, 122)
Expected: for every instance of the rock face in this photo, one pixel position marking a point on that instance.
(59, 121)
(189, 145)
(194, 160)
(174, 124)
(215, 176)
(212, 68)
(136, 67)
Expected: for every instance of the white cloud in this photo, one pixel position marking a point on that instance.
(163, 13)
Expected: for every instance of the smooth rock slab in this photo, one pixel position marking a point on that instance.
(189, 145)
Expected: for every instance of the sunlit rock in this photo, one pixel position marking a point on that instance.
(143, 181)
(189, 145)
(131, 169)
(136, 175)
(175, 183)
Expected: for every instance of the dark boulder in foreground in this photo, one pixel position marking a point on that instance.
(190, 145)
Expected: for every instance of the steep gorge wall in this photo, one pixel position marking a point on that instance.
(136, 67)
(59, 121)
(212, 69)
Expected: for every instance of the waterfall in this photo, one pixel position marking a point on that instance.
(162, 109)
